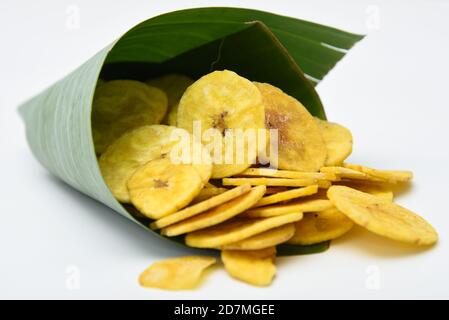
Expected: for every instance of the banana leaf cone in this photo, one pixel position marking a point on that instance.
(289, 53)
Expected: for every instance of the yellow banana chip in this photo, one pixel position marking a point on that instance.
(237, 229)
(273, 173)
(301, 145)
(390, 176)
(338, 142)
(250, 266)
(134, 149)
(379, 190)
(207, 193)
(174, 85)
(201, 207)
(276, 182)
(160, 187)
(267, 239)
(346, 173)
(181, 273)
(382, 217)
(320, 226)
(220, 101)
(312, 205)
(121, 105)
(216, 215)
(286, 195)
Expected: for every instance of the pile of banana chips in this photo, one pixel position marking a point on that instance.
(241, 167)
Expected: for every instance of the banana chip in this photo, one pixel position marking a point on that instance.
(379, 190)
(160, 187)
(121, 105)
(286, 195)
(320, 226)
(207, 193)
(313, 205)
(237, 229)
(390, 176)
(382, 216)
(346, 173)
(338, 141)
(267, 239)
(174, 85)
(223, 100)
(253, 267)
(276, 182)
(134, 149)
(181, 273)
(201, 207)
(301, 145)
(273, 173)
(216, 215)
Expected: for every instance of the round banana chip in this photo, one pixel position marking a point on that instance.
(121, 105)
(274, 173)
(201, 207)
(346, 173)
(160, 187)
(181, 273)
(286, 195)
(223, 100)
(207, 193)
(216, 215)
(382, 217)
(174, 85)
(312, 205)
(301, 145)
(390, 176)
(338, 142)
(320, 226)
(253, 267)
(267, 239)
(379, 190)
(236, 230)
(276, 182)
(134, 149)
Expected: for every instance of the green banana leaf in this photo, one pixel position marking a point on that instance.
(258, 45)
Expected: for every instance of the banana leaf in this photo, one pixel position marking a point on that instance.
(258, 45)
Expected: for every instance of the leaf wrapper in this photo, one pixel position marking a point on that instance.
(260, 46)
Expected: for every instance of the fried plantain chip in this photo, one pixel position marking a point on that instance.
(201, 207)
(160, 187)
(320, 226)
(273, 173)
(286, 195)
(237, 229)
(390, 176)
(312, 205)
(338, 142)
(253, 267)
(216, 215)
(181, 273)
(134, 149)
(174, 85)
(121, 105)
(346, 173)
(376, 189)
(220, 101)
(276, 182)
(207, 193)
(382, 217)
(267, 239)
(301, 145)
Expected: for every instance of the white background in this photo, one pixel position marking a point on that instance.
(391, 90)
